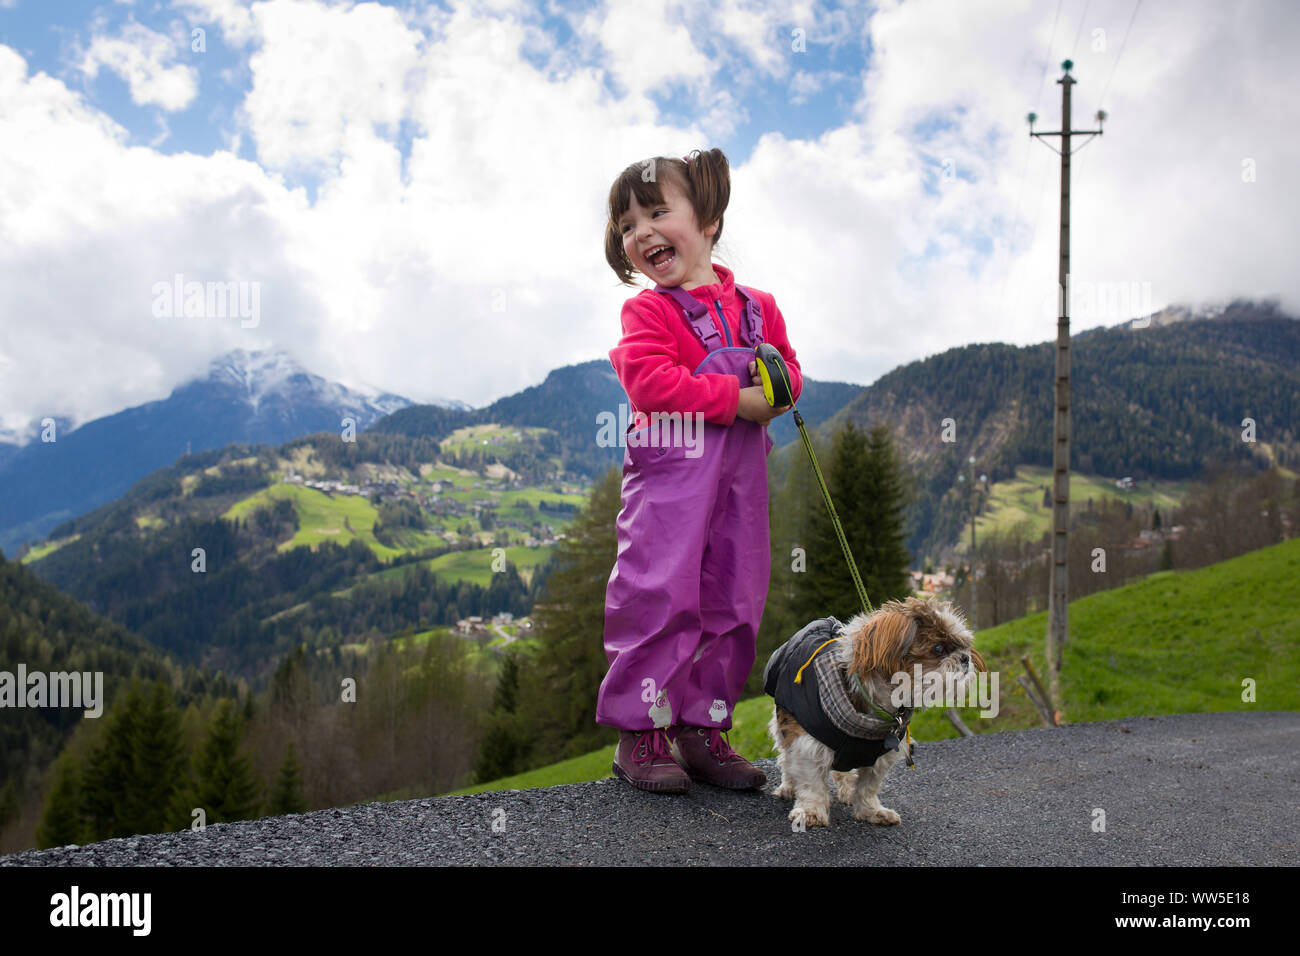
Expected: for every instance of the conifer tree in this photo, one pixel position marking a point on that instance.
(825, 587)
(157, 758)
(505, 744)
(109, 769)
(884, 567)
(61, 822)
(867, 488)
(287, 795)
(225, 785)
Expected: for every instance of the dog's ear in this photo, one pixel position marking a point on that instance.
(883, 640)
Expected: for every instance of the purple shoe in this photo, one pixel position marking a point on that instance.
(644, 759)
(708, 758)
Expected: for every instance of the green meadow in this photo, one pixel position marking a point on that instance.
(1010, 503)
(321, 517)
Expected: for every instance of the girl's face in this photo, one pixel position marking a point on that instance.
(688, 261)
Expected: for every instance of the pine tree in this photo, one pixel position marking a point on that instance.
(110, 769)
(884, 567)
(287, 795)
(826, 587)
(157, 758)
(61, 822)
(505, 744)
(225, 785)
(867, 489)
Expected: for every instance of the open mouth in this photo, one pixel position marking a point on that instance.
(661, 257)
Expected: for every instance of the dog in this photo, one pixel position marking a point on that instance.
(871, 648)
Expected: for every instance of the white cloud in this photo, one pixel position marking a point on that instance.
(475, 267)
(836, 227)
(144, 60)
(324, 74)
(234, 17)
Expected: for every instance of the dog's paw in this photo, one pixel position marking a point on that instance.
(784, 792)
(804, 817)
(880, 815)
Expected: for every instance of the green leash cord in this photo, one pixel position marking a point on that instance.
(778, 392)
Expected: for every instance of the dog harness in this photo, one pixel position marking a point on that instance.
(817, 690)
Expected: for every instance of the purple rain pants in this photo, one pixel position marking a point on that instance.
(686, 595)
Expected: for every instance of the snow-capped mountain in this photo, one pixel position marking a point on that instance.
(274, 386)
(264, 397)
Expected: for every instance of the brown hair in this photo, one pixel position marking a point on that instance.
(705, 179)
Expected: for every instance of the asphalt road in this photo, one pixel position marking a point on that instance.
(1190, 789)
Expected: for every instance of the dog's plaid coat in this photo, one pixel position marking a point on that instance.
(821, 700)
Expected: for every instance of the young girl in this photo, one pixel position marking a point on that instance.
(684, 600)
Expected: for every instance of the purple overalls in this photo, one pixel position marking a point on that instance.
(686, 595)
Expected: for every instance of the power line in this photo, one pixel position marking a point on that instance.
(1047, 56)
(1078, 33)
(1020, 192)
(1115, 65)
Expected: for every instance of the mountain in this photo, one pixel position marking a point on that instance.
(569, 402)
(257, 397)
(1158, 402)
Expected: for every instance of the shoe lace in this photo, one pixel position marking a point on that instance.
(655, 748)
(720, 747)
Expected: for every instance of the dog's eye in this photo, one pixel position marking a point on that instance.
(939, 650)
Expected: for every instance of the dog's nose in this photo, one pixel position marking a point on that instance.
(965, 659)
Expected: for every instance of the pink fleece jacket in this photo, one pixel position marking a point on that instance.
(658, 351)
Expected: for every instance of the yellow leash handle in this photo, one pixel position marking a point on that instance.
(775, 376)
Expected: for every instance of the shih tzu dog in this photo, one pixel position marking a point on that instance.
(843, 702)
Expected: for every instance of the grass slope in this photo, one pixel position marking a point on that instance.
(1175, 642)
(1010, 503)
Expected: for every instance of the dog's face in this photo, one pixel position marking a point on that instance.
(902, 634)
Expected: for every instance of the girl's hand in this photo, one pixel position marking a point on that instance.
(759, 411)
(753, 406)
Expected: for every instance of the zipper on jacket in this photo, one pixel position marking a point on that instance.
(722, 319)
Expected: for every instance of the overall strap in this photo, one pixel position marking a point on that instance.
(697, 314)
(751, 318)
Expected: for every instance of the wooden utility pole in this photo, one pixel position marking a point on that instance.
(1058, 615)
(970, 507)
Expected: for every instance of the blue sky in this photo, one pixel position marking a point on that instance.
(54, 38)
(418, 188)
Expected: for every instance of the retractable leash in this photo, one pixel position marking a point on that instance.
(778, 391)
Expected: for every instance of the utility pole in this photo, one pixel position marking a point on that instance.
(1058, 615)
(970, 508)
